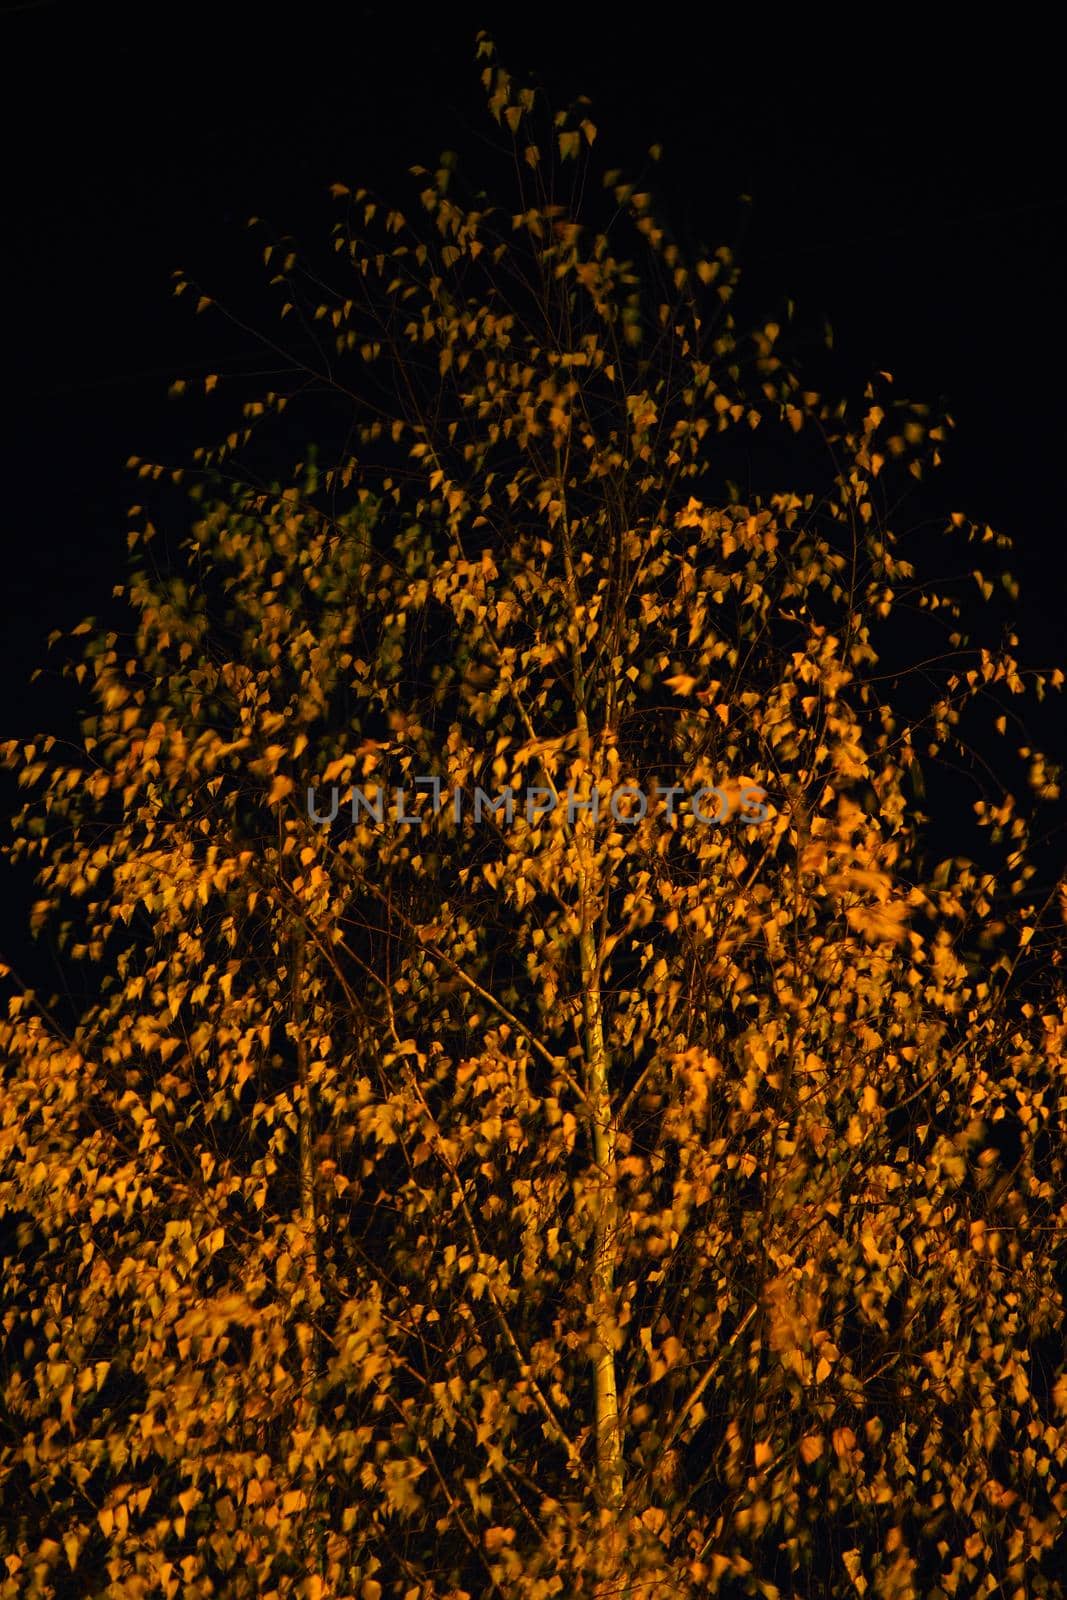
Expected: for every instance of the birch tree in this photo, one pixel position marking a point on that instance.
(541, 1129)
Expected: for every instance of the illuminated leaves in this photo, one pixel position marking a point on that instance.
(410, 1183)
(681, 683)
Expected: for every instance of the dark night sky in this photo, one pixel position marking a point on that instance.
(913, 194)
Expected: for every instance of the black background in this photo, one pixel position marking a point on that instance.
(907, 188)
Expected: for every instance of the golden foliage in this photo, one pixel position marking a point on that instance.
(546, 1207)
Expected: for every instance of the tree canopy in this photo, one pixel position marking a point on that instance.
(620, 1193)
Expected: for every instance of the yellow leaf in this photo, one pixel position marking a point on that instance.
(496, 1538)
(881, 924)
(851, 1559)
